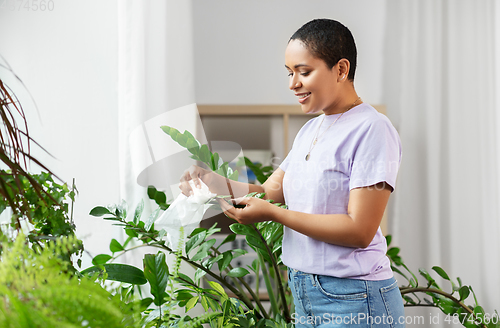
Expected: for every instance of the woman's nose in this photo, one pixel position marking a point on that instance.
(294, 83)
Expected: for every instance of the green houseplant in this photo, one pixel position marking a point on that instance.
(246, 309)
(38, 289)
(39, 285)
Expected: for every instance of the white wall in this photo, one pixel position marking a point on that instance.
(67, 59)
(239, 47)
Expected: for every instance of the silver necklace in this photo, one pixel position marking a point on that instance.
(316, 138)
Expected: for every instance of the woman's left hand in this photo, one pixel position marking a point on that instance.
(255, 210)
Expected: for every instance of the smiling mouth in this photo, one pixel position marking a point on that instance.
(302, 97)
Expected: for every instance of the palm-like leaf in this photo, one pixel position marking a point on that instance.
(15, 146)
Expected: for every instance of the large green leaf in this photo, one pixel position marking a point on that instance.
(234, 175)
(198, 274)
(119, 272)
(115, 246)
(182, 140)
(172, 132)
(188, 135)
(447, 305)
(259, 174)
(427, 276)
(100, 211)
(158, 196)
(101, 259)
(393, 251)
(217, 287)
(156, 272)
(184, 278)
(151, 220)
(464, 292)
(242, 229)
(227, 257)
(441, 272)
(138, 212)
(191, 303)
(195, 241)
(204, 154)
(256, 242)
(215, 161)
(203, 250)
(238, 272)
(228, 239)
(166, 129)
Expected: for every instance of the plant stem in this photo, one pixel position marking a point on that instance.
(257, 278)
(249, 289)
(239, 294)
(210, 273)
(269, 287)
(72, 201)
(255, 298)
(286, 313)
(410, 290)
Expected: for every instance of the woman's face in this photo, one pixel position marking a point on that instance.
(314, 84)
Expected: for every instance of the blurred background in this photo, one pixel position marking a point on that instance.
(104, 75)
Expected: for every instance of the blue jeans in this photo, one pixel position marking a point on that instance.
(324, 301)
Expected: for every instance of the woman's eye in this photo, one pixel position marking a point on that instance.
(305, 73)
(290, 73)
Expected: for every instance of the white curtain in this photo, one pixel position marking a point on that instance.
(440, 92)
(155, 88)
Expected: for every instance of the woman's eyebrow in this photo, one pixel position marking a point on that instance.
(298, 65)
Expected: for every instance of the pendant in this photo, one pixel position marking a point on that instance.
(307, 156)
(315, 140)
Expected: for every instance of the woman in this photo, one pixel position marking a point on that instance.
(336, 181)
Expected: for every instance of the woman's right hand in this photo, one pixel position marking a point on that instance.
(196, 174)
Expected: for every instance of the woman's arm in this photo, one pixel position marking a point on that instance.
(223, 186)
(354, 229)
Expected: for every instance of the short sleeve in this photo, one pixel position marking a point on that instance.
(286, 161)
(377, 156)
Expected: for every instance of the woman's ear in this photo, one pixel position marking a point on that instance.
(343, 69)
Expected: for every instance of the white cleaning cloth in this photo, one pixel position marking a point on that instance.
(186, 212)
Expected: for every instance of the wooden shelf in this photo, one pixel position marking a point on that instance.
(250, 110)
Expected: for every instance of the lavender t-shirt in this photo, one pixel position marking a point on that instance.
(361, 149)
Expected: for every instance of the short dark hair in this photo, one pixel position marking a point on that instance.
(330, 41)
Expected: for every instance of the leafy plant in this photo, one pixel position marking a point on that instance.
(262, 173)
(451, 303)
(39, 287)
(46, 214)
(202, 252)
(37, 290)
(15, 147)
(215, 266)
